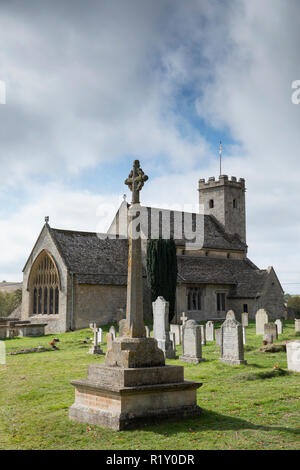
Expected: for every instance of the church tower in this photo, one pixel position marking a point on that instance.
(225, 200)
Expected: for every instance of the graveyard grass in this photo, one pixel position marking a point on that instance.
(253, 406)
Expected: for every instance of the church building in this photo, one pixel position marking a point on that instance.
(73, 278)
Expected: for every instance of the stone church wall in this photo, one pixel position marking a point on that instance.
(97, 303)
(55, 323)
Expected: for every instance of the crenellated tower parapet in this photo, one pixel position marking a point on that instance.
(224, 198)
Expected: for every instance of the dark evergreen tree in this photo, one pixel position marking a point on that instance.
(162, 271)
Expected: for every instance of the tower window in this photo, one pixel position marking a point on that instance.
(211, 203)
(234, 204)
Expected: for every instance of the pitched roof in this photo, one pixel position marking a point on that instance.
(214, 237)
(245, 279)
(94, 260)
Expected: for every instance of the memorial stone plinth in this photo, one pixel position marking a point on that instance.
(134, 386)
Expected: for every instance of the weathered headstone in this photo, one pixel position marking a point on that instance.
(183, 318)
(270, 333)
(112, 330)
(261, 317)
(173, 341)
(191, 343)
(203, 335)
(297, 325)
(293, 355)
(95, 349)
(279, 326)
(147, 331)
(2, 353)
(31, 329)
(244, 335)
(245, 321)
(161, 330)
(210, 331)
(177, 330)
(218, 336)
(122, 326)
(232, 350)
(230, 315)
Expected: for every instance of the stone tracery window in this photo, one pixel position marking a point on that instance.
(44, 286)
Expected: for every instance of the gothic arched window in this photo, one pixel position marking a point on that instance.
(44, 286)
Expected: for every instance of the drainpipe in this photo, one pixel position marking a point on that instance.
(72, 302)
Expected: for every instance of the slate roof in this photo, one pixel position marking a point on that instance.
(104, 261)
(93, 260)
(215, 236)
(245, 279)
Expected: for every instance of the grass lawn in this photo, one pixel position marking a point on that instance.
(250, 406)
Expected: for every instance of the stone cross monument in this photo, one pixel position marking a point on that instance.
(134, 387)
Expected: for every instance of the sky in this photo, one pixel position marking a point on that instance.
(92, 85)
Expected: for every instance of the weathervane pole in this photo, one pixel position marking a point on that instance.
(220, 154)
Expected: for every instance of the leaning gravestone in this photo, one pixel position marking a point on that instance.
(161, 326)
(279, 326)
(203, 335)
(147, 331)
(230, 315)
(218, 336)
(209, 331)
(232, 350)
(191, 343)
(270, 333)
(261, 317)
(177, 330)
(293, 355)
(245, 321)
(297, 325)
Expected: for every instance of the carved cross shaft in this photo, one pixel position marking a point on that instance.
(135, 181)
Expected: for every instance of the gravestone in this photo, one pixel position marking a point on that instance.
(173, 341)
(112, 330)
(122, 325)
(244, 335)
(161, 326)
(232, 350)
(230, 315)
(203, 335)
(183, 319)
(134, 387)
(109, 341)
(210, 331)
(191, 343)
(147, 331)
(297, 325)
(95, 349)
(279, 326)
(261, 317)
(245, 321)
(293, 355)
(177, 330)
(218, 336)
(270, 333)
(31, 329)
